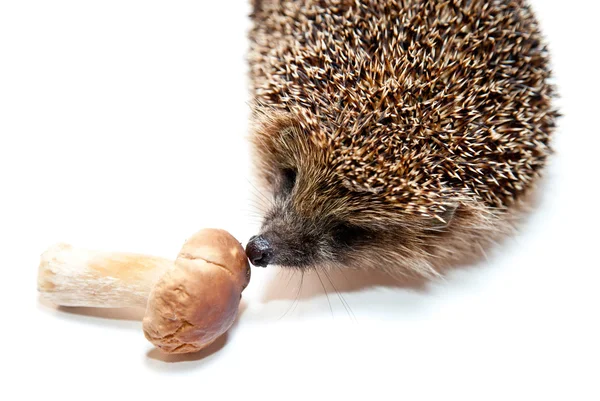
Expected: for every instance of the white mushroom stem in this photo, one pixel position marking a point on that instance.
(69, 276)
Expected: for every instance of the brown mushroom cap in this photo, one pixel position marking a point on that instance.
(197, 301)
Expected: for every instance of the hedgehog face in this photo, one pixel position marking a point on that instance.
(319, 218)
(309, 221)
(316, 221)
(301, 231)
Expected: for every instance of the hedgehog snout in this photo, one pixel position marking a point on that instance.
(259, 251)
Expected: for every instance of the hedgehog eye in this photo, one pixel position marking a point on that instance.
(347, 234)
(288, 180)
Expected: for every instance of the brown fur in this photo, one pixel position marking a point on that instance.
(425, 123)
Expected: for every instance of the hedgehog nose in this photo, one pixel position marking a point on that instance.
(259, 251)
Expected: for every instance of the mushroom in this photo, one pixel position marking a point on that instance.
(189, 302)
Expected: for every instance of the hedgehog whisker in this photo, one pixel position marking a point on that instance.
(290, 280)
(269, 202)
(258, 204)
(254, 210)
(251, 214)
(253, 207)
(297, 298)
(341, 297)
(342, 273)
(299, 289)
(326, 294)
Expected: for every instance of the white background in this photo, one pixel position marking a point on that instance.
(122, 127)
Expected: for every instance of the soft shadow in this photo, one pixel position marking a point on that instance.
(216, 346)
(132, 318)
(132, 314)
(295, 285)
(241, 309)
(128, 318)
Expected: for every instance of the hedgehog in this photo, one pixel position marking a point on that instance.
(404, 136)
